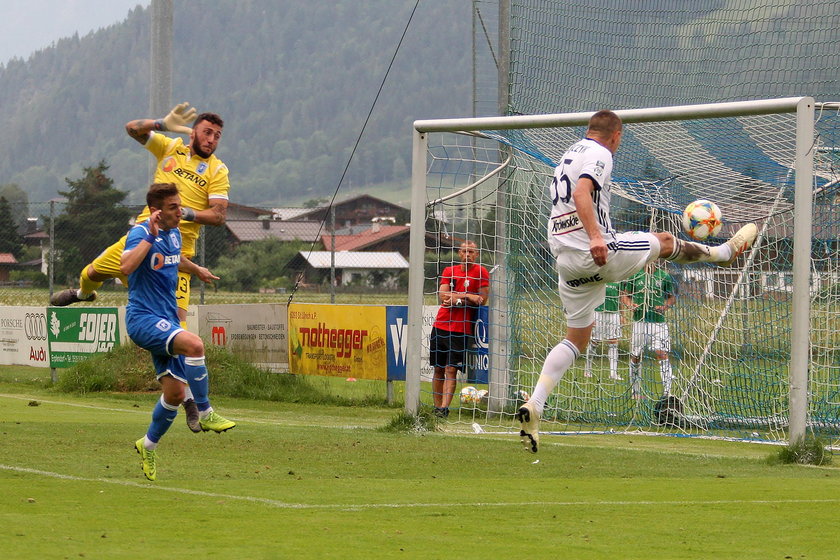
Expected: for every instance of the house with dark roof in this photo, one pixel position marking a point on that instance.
(241, 212)
(374, 237)
(244, 231)
(7, 263)
(362, 209)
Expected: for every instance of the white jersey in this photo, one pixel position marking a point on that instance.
(586, 158)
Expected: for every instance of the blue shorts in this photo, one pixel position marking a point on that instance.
(155, 334)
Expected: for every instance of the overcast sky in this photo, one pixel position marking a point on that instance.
(30, 25)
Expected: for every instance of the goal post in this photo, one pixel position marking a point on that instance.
(484, 180)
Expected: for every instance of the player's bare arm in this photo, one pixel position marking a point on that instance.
(200, 272)
(216, 215)
(139, 129)
(481, 297)
(669, 303)
(445, 295)
(582, 196)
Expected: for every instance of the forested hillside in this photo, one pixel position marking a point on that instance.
(294, 81)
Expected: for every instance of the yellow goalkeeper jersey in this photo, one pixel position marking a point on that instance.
(199, 180)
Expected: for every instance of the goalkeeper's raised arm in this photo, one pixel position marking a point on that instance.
(178, 120)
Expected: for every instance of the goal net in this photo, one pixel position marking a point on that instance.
(737, 363)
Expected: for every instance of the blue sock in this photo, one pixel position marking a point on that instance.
(162, 417)
(199, 381)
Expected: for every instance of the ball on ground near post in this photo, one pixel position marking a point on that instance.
(702, 219)
(469, 395)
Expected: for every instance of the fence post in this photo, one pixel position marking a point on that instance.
(202, 259)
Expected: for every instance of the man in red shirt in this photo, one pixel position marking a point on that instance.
(463, 287)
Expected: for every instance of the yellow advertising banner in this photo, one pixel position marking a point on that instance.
(338, 340)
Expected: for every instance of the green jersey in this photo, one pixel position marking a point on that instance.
(610, 304)
(649, 291)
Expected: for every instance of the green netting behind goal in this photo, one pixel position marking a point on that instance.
(582, 55)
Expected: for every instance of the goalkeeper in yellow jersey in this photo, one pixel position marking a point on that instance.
(203, 185)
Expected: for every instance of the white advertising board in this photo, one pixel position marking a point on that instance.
(23, 336)
(257, 332)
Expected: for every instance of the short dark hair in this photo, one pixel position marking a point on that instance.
(158, 192)
(209, 117)
(604, 122)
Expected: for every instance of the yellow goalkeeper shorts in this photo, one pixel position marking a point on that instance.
(108, 264)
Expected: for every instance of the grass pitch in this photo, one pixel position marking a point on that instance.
(299, 480)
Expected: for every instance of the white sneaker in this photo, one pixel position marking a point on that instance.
(740, 242)
(529, 421)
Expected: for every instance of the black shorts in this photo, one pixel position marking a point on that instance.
(448, 348)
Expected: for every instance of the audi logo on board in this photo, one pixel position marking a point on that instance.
(35, 326)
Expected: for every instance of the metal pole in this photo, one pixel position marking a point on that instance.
(504, 56)
(202, 255)
(51, 261)
(415, 272)
(499, 330)
(332, 254)
(160, 63)
(800, 323)
(51, 256)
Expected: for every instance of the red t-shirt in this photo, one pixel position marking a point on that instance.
(460, 318)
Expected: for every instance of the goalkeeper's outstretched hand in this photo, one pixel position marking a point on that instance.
(179, 118)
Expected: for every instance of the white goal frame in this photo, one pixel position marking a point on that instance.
(804, 110)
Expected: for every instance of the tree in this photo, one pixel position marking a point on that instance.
(254, 264)
(18, 201)
(10, 240)
(315, 202)
(91, 221)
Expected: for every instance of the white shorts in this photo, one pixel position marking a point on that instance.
(655, 336)
(582, 282)
(607, 326)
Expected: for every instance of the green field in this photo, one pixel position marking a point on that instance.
(300, 480)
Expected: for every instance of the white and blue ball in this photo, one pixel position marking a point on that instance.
(702, 219)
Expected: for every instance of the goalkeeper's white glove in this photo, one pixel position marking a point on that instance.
(179, 118)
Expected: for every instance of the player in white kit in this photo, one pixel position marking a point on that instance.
(589, 253)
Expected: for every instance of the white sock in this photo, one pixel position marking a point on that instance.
(149, 444)
(684, 254)
(556, 363)
(667, 375)
(612, 352)
(636, 376)
(588, 367)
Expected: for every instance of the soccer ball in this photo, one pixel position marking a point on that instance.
(702, 219)
(469, 395)
(483, 396)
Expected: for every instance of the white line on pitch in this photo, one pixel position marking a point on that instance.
(288, 505)
(146, 412)
(64, 403)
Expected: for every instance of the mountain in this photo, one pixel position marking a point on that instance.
(294, 82)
